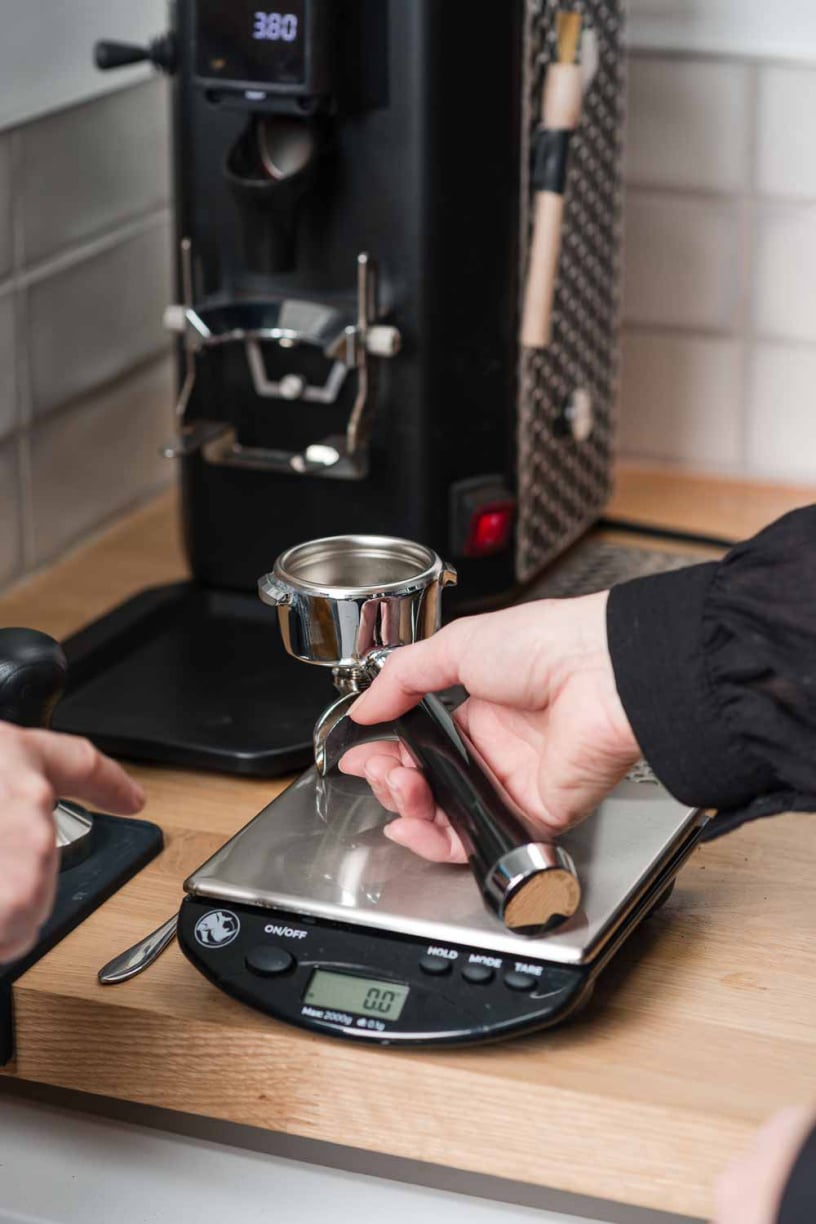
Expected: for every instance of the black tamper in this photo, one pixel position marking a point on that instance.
(33, 670)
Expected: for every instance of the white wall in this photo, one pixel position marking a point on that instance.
(782, 29)
(46, 50)
(720, 309)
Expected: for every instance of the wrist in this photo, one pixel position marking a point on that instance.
(580, 637)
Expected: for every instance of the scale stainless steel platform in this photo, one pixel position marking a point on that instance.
(311, 915)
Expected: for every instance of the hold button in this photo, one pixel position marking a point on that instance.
(436, 966)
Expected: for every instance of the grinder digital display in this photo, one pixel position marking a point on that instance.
(248, 41)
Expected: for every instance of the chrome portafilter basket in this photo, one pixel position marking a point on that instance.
(346, 603)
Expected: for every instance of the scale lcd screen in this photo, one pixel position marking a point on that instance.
(244, 40)
(361, 996)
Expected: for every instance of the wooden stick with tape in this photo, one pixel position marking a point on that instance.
(561, 113)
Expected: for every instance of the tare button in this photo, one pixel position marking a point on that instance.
(519, 981)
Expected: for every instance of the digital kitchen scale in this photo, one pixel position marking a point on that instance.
(311, 915)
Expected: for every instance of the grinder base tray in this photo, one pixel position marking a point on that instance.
(189, 676)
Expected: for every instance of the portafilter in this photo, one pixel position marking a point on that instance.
(346, 603)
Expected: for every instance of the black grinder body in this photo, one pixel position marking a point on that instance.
(418, 115)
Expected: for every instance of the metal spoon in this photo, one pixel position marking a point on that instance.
(141, 956)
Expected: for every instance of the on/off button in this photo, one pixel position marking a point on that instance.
(269, 961)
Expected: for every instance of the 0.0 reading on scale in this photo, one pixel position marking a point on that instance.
(360, 996)
(275, 27)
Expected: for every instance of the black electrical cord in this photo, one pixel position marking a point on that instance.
(628, 527)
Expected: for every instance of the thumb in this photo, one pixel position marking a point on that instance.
(412, 672)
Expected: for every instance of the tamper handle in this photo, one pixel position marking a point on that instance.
(530, 885)
(33, 669)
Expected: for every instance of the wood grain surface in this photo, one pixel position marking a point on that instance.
(704, 1024)
(729, 509)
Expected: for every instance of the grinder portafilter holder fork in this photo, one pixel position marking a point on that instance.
(346, 603)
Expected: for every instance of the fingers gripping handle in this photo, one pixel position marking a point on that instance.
(529, 885)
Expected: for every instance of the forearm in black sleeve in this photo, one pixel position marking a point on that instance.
(716, 668)
(799, 1200)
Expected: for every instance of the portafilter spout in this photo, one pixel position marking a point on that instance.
(346, 603)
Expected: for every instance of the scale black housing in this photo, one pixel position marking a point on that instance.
(442, 1007)
(313, 884)
(404, 130)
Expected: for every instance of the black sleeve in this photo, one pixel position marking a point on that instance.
(716, 668)
(799, 1201)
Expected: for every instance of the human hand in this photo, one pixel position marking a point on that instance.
(543, 712)
(37, 767)
(752, 1189)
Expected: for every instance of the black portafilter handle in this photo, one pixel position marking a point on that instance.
(33, 670)
(531, 886)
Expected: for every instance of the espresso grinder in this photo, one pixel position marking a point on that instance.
(397, 312)
(311, 915)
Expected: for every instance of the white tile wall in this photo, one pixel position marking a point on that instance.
(85, 273)
(720, 268)
(786, 133)
(784, 292)
(6, 223)
(10, 525)
(680, 260)
(96, 459)
(785, 29)
(87, 169)
(689, 124)
(91, 321)
(781, 424)
(682, 400)
(9, 417)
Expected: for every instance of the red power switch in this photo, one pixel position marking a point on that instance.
(491, 529)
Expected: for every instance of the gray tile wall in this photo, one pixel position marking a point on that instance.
(86, 388)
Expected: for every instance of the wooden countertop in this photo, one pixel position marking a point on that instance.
(704, 1024)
